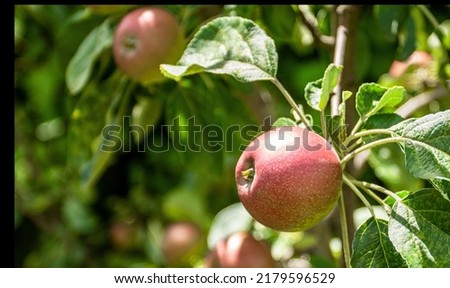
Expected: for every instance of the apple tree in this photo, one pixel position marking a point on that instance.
(135, 131)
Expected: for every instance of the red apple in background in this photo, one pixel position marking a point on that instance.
(144, 39)
(181, 240)
(419, 58)
(289, 178)
(240, 250)
(123, 235)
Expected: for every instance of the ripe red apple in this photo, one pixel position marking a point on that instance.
(289, 178)
(144, 39)
(240, 250)
(181, 240)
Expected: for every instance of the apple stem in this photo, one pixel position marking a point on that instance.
(292, 103)
(344, 227)
(371, 145)
(248, 174)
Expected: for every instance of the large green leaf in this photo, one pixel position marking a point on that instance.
(228, 45)
(80, 66)
(372, 247)
(318, 93)
(372, 97)
(427, 148)
(419, 228)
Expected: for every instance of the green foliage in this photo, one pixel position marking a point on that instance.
(80, 66)
(228, 45)
(419, 229)
(372, 247)
(318, 93)
(427, 149)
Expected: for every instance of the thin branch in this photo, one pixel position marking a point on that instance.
(376, 188)
(344, 227)
(360, 195)
(369, 146)
(292, 103)
(341, 57)
(366, 133)
(421, 100)
(311, 23)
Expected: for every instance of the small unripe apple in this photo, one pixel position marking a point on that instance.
(240, 250)
(289, 178)
(145, 38)
(181, 240)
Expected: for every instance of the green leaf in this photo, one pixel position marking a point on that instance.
(442, 186)
(419, 228)
(80, 66)
(231, 219)
(228, 45)
(382, 121)
(427, 147)
(372, 247)
(317, 93)
(283, 121)
(391, 201)
(372, 97)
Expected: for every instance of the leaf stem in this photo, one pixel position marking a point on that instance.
(365, 133)
(292, 103)
(371, 145)
(357, 126)
(376, 188)
(359, 141)
(344, 227)
(323, 123)
(359, 194)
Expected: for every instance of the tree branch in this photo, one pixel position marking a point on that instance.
(421, 100)
(311, 23)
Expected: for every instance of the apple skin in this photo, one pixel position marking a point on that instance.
(240, 250)
(145, 38)
(181, 240)
(296, 181)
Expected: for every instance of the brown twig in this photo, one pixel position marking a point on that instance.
(421, 100)
(344, 54)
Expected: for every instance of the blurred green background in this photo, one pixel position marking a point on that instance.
(76, 206)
